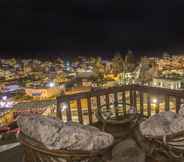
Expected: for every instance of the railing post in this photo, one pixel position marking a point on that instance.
(59, 114)
(167, 103)
(79, 109)
(141, 103)
(90, 110)
(116, 103)
(178, 103)
(131, 97)
(157, 108)
(149, 105)
(107, 100)
(68, 112)
(98, 102)
(135, 100)
(124, 102)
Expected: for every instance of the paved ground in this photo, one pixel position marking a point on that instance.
(15, 154)
(12, 155)
(8, 146)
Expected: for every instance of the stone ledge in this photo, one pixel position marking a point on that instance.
(8, 146)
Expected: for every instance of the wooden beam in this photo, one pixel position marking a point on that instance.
(107, 100)
(148, 105)
(131, 97)
(124, 102)
(68, 112)
(116, 104)
(167, 107)
(58, 112)
(79, 109)
(141, 103)
(157, 108)
(90, 110)
(135, 100)
(178, 103)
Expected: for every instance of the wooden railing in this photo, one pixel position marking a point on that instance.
(146, 100)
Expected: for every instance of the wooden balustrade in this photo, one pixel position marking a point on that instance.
(146, 100)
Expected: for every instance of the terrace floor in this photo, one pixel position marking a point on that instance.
(15, 154)
(12, 155)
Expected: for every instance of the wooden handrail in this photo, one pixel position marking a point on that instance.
(136, 96)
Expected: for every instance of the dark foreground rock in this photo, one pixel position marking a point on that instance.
(13, 155)
(128, 151)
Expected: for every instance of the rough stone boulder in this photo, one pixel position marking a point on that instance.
(55, 134)
(177, 125)
(141, 141)
(164, 123)
(158, 124)
(181, 110)
(127, 151)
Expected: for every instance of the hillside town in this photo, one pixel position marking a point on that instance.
(42, 87)
(33, 79)
(29, 83)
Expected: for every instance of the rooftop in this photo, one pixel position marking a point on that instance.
(118, 131)
(14, 152)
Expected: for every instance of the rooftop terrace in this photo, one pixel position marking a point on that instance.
(146, 101)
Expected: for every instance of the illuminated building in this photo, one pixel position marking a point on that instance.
(41, 93)
(75, 90)
(169, 83)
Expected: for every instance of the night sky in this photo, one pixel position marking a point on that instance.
(91, 25)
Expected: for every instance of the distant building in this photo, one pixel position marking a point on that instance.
(86, 74)
(42, 93)
(75, 90)
(166, 55)
(169, 83)
(12, 88)
(86, 82)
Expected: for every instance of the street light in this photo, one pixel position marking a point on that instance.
(154, 101)
(4, 98)
(64, 106)
(51, 84)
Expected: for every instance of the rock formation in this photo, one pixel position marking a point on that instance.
(181, 110)
(164, 123)
(158, 124)
(127, 151)
(55, 134)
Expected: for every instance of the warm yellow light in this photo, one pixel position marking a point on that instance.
(64, 106)
(154, 100)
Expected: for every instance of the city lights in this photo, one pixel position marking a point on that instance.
(51, 84)
(154, 101)
(8, 104)
(64, 106)
(4, 98)
(92, 80)
(39, 80)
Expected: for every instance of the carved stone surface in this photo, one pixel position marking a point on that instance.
(127, 151)
(181, 110)
(177, 125)
(141, 141)
(158, 124)
(57, 135)
(164, 123)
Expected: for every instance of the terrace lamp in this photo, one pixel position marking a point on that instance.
(64, 106)
(51, 84)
